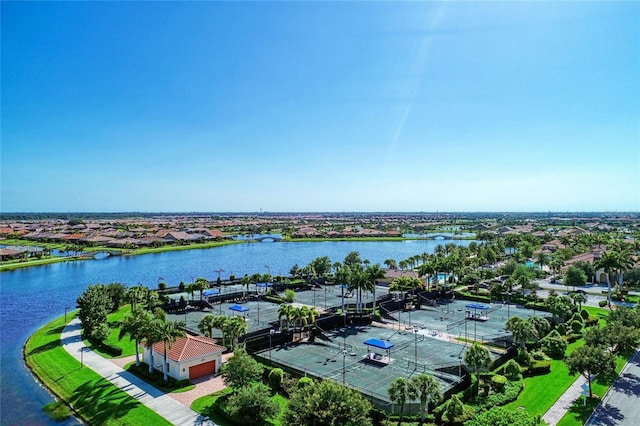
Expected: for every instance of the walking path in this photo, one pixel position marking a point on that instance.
(564, 403)
(167, 407)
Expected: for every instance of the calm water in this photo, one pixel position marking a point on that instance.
(32, 296)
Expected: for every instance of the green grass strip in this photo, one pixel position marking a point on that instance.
(93, 398)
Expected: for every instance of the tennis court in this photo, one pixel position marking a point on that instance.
(341, 355)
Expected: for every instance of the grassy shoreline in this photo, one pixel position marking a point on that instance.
(91, 397)
(13, 265)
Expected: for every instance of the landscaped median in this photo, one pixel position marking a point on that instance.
(93, 398)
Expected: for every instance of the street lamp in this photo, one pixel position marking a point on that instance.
(82, 356)
(344, 372)
(66, 308)
(271, 331)
(415, 346)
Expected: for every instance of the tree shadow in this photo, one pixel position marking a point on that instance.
(628, 384)
(56, 330)
(102, 400)
(44, 348)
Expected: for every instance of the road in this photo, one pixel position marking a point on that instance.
(621, 404)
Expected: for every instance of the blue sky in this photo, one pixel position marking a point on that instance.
(320, 106)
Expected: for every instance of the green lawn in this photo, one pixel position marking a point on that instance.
(541, 392)
(128, 346)
(579, 413)
(94, 399)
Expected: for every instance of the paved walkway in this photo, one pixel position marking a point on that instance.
(565, 402)
(167, 407)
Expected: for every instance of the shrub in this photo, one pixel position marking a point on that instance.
(538, 368)
(512, 370)
(562, 329)
(591, 321)
(576, 326)
(584, 314)
(538, 356)
(576, 317)
(275, 378)
(510, 393)
(289, 295)
(304, 381)
(498, 383)
(107, 348)
(162, 286)
(554, 345)
(572, 337)
(602, 303)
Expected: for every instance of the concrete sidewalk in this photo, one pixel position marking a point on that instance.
(564, 403)
(167, 407)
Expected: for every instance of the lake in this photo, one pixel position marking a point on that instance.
(30, 297)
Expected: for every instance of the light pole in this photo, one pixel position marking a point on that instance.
(344, 372)
(415, 346)
(82, 356)
(65, 313)
(271, 331)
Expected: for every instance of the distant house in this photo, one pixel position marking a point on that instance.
(189, 357)
(216, 234)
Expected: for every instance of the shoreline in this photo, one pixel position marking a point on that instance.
(163, 249)
(53, 368)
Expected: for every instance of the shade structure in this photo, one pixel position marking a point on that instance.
(377, 343)
(262, 285)
(210, 292)
(477, 306)
(238, 308)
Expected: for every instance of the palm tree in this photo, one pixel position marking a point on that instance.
(285, 310)
(522, 330)
(134, 325)
(428, 389)
(401, 390)
(236, 327)
(428, 269)
(246, 281)
(477, 356)
(151, 336)
(136, 294)
(207, 324)
(373, 274)
(609, 262)
(220, 322)
(542, 259)
(391, 264)
(168, 332)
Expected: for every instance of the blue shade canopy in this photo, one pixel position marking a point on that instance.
(477, 306)
(377, 343)
(211, 292)
(238, 308)
(265, 285)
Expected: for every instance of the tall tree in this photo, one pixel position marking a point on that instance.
(135, 324)
(590, 361)
(94, 306)
(609, 262)
(241, 370)
(521, 329)
(429, 390)
(400, 391)
(207, 324)
(168, 332)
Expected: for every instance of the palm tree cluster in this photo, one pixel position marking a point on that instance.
(358, 275)
(149, 327)
(297, 317)
(424, 388)
(231, 328)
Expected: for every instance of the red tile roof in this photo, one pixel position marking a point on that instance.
(190, 347)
